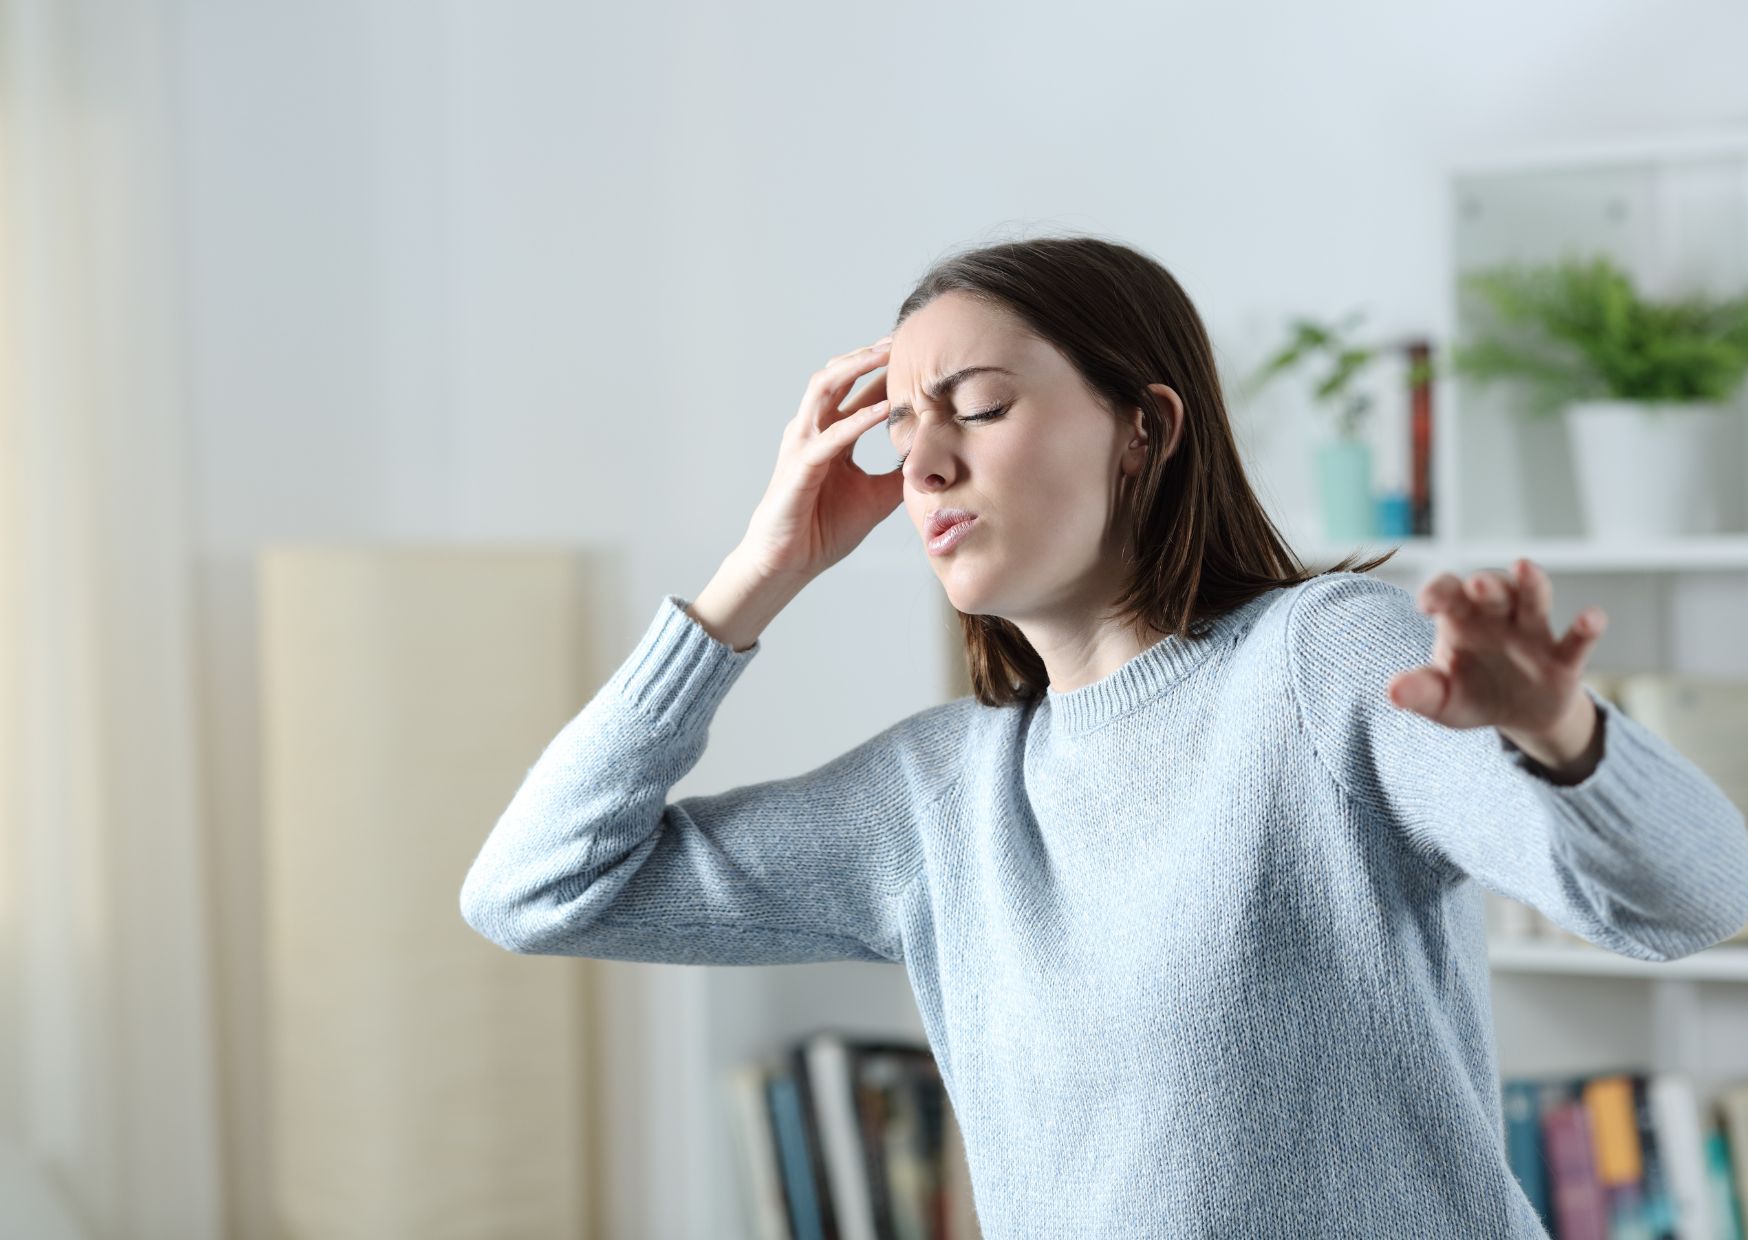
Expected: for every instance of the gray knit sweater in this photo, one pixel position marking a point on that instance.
(1199, 947)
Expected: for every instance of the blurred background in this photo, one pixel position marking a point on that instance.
(370, 369)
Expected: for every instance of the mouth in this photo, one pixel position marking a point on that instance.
(952, 532)
(941, 518)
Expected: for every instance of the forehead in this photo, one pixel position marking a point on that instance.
(951, 332)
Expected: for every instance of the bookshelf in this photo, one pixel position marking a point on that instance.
(1723, 963)
(1674, 212)
(1699, 553)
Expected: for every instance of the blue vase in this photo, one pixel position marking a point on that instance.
(1344, 484)
(1395, 515)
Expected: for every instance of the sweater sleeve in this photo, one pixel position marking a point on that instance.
(590, 859)
(1646, 856)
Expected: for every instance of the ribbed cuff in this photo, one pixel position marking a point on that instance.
(1649, 826)
(1609, 730)
(678, 674)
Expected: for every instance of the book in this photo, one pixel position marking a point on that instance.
(807, 1206)
(1730, 1112)
(1525, 1150)
(763, 1201)
(1657, 1205)
(809, 1167)
(1628, 1155)
(1681, 1135)
(1721, 1186)
(1420, 493)
(1579, 1208)
(855, 1140)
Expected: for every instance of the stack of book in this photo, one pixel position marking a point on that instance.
(1629, 1155)
(843, 1137)
(1705, 718)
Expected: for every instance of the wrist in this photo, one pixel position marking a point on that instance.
(1572, 748)
(740, 601)
(752, 571)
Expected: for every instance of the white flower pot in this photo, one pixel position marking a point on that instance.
(1649, 470)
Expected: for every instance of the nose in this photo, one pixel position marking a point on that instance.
(923, 454)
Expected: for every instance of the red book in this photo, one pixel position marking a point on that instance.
(1420, 438)
(1580, 1207)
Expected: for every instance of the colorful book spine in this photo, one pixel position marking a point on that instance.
(1628, 1155)
(1580, 1208)
(1420, 496)
(857, 1142)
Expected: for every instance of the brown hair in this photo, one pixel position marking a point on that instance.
(1206, 543)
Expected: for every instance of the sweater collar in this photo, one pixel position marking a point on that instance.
(1147, 674)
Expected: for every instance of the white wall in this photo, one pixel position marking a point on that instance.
(559, 272)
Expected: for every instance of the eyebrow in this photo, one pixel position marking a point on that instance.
(943, 387)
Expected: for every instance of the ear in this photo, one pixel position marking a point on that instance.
(1134, 454)
(1171, 411)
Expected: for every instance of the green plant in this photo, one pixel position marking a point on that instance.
(1348, 361)
(1586, 334)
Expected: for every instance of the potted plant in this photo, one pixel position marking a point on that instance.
(1344, 460)
(1647, 390)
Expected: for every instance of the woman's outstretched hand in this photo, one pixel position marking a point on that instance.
(1496, 661)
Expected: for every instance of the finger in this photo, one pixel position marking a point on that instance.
(1423, 690)
(1535, 596)
(825, 396)
(1493, 594)
(841, 372)
(875, 390)
(831, 382)
(841, 435)
(1587, 627)
(884, 340)
(1444, 595)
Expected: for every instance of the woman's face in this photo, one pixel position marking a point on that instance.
(1041, 474)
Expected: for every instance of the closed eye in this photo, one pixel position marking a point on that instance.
(988, 415)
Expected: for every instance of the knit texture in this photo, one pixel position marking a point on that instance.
(1199, 947)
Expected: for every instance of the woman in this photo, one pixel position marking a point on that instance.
(1189, 891)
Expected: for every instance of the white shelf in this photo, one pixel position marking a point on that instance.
(1722, 142)
(1714, 552)
(1723, 963)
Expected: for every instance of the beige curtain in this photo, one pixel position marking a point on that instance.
(108, 1107)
